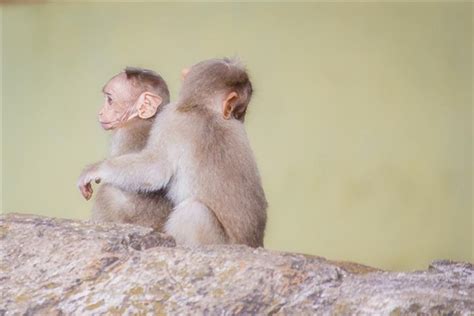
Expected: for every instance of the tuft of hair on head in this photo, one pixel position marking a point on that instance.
(235, 62)
(148, 80)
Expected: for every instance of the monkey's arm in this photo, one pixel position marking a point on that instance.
(137, 172)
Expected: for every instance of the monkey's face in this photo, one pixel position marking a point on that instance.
(119, 102)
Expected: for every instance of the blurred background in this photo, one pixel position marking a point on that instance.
(361, 121)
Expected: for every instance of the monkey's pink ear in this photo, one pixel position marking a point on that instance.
(184, 73)
(147, 105)
(228, 105)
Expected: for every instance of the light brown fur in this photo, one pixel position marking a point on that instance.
(113, 204)
(202, 158)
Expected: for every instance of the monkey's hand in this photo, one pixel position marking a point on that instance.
(89, 174)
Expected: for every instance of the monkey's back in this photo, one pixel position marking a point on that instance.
(219, 169)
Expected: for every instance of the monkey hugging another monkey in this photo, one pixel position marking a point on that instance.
(185, 167)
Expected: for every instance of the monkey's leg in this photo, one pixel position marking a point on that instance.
(193, 223)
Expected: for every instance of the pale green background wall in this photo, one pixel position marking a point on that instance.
(361, 121)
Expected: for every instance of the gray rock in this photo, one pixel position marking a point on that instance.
(55, 266)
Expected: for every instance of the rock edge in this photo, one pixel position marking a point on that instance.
(56, 266)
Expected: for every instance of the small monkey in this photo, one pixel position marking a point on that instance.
(198, 150)
(133, 98)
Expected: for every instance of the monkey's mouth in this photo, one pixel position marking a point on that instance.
(107, 125)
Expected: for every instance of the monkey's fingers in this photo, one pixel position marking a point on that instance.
(89, 195)
(83, 192)
(89, 191)
(86, 190)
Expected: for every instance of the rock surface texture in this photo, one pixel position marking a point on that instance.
(56, 266)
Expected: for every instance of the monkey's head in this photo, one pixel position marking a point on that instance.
(222, 84)
(133, 93)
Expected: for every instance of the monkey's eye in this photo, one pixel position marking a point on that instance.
(109, 100)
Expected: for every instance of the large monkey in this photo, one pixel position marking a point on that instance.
(198, 150)
(133, 98)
